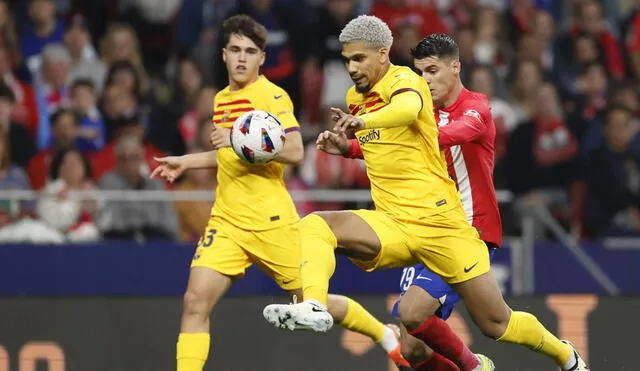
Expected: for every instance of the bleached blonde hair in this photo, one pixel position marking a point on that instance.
(368, 29)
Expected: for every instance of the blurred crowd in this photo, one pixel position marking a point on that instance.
(91, 91)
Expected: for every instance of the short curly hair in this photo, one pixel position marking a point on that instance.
(368, 29)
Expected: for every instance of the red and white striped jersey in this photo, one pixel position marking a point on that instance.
(466, 135)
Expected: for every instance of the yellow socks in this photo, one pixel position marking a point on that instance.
(192, 351)
(359, 320)
(525, 329)
(318, 259)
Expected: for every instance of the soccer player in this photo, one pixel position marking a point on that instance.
(467, 135)
(254, 219)
(418, 216)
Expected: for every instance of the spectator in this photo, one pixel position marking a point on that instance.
(51, 89)
(21, 145)
(613, 178)
(524, 92)
(84, 58)
(201, 110)
(407, 36)
(627, 96)
(106, 160)
(44, 29)
(587, 116)
(543, 29)
(64, 133)
(589, 19)
(327, 81)
(124, 74)
(542, 151)
(488, 47)
(70, 171)
(142, 220)
(197, 32)
(188, 84)
(632, 40)
(9, 36)
(25, 109)
(121, 44)
(12, 177)
(92, 132)
(586, 53)
(119, 104)
(483, 81)
(395, 12)
(194, 215)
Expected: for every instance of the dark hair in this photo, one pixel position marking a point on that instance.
(82, 82)
(244, 25)
(438, 45)
(6, 93)
(58, 157)
(120, 66)
(61, 112)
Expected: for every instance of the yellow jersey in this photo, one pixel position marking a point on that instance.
(408, 174)
(253, 197)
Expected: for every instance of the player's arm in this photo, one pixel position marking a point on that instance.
(471, 126)
(202, 160)
(293, 151)
(404, 106)
(171, 168)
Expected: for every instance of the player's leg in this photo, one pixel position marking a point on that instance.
(425, 307)
(487, 307)
(370, 236)
(204, 290)
(353, 316)
(451, 248)
(217, 260)
(424, 313)
(421, 357)
(280, 259)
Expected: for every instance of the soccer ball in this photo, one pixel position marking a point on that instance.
(257, 137)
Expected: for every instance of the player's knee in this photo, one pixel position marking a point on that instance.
(413, 350)
(416, 307)
(495, 324)
(410, 316)
(194, 304)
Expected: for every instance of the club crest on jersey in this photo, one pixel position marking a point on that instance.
(373, 134)
(472, 113)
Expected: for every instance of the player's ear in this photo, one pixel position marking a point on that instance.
(384, 54)
(224, 55)
(456, 66)
(262, 58)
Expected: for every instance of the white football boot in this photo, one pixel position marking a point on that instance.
(580, 364)
(308, 315)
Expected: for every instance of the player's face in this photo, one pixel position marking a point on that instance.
(243, 59)
(442, 75)
(365, 64)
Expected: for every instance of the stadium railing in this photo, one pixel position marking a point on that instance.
(522, 247)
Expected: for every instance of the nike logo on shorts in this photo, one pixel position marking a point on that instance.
(467, 270)
(423, 278)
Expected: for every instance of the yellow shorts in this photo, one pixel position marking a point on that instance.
(445, 243)
(230, 250)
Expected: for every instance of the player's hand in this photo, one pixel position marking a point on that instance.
(345, 121)
(220, 137)
(333, 143)
(170, 168)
